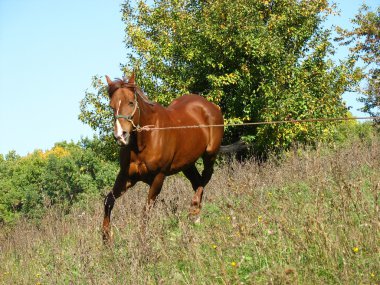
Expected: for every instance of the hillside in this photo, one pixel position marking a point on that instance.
(311, 217)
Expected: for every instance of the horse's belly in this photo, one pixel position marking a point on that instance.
(186, 156)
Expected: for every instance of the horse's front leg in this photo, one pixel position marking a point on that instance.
(121, 185)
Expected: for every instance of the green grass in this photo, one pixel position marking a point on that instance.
(313, 218)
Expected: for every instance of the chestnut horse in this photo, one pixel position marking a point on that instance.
(151, 155)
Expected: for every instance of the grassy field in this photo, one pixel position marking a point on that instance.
(311, 217)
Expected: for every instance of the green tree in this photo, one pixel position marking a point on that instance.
(95, 112)
(364, 42)
(259, 60)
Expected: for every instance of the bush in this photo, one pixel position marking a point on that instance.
(61, 176)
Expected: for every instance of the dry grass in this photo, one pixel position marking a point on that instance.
(311, 218)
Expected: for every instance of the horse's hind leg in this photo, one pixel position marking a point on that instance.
(195, 178)
(154, 190)
(208, 170)
(121, 185)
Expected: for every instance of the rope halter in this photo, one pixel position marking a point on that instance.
(129, 118)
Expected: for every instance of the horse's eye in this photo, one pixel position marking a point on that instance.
(131, 104)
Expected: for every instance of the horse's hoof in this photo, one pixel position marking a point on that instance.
(197, 220)
(107, 243)
(194, 215)
(107, 238)
(194, 210)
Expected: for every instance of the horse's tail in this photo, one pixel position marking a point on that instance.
(235, 147)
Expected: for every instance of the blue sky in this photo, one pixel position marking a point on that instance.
(49, 50)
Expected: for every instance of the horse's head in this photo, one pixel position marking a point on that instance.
(125, 107)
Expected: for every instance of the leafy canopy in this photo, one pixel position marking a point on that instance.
(259, 60)
(364, 42)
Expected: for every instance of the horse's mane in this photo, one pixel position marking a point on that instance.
(123, 83)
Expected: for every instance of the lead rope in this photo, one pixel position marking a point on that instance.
(154, 128)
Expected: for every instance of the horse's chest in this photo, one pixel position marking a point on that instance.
(138, 168)
(146, 166)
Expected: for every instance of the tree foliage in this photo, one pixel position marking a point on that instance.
(95, 112)
(259, 60)
(61, 176)
(364, 42)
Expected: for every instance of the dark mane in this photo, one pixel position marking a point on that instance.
(122, 83)
(116, 84)
(143, 96)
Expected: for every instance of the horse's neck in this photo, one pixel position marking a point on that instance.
(147, 113)
(148, 117)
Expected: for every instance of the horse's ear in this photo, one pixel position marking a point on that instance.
(109, 81)
(132, 78)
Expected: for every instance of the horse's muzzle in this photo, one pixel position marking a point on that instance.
(123, 139)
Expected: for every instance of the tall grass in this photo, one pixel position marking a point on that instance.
(311, 217)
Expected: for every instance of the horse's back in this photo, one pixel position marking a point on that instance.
(195, 104)
(194, 110)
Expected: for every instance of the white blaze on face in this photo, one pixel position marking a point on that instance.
(118, 130)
